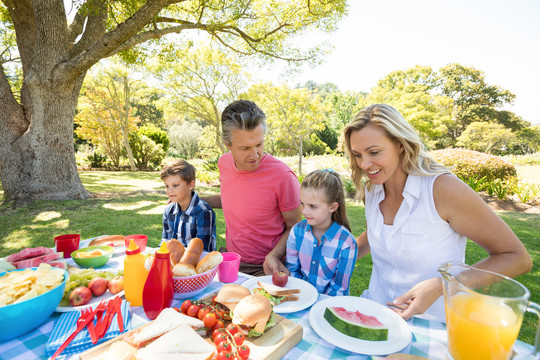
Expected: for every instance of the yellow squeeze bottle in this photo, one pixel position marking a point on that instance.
(135, 274)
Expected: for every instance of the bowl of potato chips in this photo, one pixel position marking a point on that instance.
(28, 297)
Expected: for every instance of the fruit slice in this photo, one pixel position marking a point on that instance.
(62, 264)
(356, 324)
(34, 262)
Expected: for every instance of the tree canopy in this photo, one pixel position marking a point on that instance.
(44, 68)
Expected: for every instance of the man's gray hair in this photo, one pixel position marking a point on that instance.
(241, 115)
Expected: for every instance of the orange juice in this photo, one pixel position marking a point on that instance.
(480, 327)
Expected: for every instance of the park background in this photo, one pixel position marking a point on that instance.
(462, 80)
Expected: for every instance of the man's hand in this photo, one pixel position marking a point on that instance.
(418, 299)
(272, 265)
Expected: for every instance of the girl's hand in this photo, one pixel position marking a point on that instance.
(418, 299)
(273, 265)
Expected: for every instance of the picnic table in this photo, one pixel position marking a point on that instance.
(428, 337)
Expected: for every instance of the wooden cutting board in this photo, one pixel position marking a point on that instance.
(272, 345)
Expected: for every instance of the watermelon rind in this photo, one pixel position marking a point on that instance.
(354, 329)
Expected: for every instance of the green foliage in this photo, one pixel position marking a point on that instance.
(208, 177)
(349, 187)
(476, 182)
(96, 160)
(145, 151)
(185, 138)
(468, 163)
(156, 134)
(528, 159)
(148, 110)
(486, 137)
(211, 164)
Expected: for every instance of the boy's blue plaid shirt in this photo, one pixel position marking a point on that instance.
(199, 220)
(327, 266)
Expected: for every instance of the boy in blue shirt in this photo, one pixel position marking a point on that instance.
(186, 216)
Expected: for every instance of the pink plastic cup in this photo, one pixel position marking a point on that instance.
(140, 240)
(228, 269)
(67, 244)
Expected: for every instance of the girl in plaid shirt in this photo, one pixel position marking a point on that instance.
(321, 248)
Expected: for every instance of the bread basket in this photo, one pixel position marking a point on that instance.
(189, 286)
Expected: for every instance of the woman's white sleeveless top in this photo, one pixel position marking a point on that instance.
(412, 248)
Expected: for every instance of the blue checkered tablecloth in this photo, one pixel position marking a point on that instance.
(428, 337)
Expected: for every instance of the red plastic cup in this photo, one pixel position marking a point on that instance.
(140, 240)
(67, 244)
(229, 267)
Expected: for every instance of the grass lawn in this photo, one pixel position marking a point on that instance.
(132, 203)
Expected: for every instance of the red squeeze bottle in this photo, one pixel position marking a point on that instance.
(158, 288)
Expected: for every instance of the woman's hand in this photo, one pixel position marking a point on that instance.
(418, 299)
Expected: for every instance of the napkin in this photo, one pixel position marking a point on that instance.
(67, 323)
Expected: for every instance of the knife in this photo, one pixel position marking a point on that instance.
(101, 328)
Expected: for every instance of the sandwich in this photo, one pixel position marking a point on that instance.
(276, 294)
(253, 315)
(231, 294)
(167, 320)
(119, 350)
(178, 344)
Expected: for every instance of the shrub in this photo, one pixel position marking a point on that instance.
(145, 151)
(468, 164)
(211, 164)
(96, 160)
(156, 134)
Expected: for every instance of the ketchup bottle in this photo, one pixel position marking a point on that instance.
(135, 274)
(158, 288)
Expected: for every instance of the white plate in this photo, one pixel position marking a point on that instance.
(399, 333)
(92, 304)
(307, 297)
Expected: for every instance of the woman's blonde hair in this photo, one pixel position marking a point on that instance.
(330, 183)
(415, 157)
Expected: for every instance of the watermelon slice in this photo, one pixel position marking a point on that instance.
(34, 262)
(62, 264)
(356, 324)
(29, 253)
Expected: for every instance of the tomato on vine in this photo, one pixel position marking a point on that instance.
(233, 329)
(238, 338)
(243, 351)
(224, 346)
(193, 310)
(185, 306)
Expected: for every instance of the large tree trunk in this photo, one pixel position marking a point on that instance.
(39, 163)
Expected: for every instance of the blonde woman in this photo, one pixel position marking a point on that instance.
(418, 216)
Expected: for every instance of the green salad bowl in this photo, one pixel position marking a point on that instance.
(93, 261)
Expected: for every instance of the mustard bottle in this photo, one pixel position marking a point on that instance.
(135, 274)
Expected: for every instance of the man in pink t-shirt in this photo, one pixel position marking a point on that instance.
(260, 195)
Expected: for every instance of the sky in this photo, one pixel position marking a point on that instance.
(499, 37)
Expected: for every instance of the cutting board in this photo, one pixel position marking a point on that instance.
(272, 345)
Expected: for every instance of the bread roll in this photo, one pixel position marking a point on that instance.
(181, 270)
(176, 249)
(210, 261)
(193, 252)
(112, 240)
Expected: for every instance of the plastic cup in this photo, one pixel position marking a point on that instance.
(229, 267)
(140, 240)
(67, 244)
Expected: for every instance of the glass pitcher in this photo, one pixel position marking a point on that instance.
(484, 311)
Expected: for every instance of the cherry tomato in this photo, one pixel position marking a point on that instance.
(177, 309)
(238, 338)
(243, 351)
(203, 311)
(214, 300)
(225, 355)
(236, 357)
(193, 310)
(224, 346)
(185, 306)
(216, 332)
(221, 338)
(233, 329)
(219, 324)
(209, 320)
